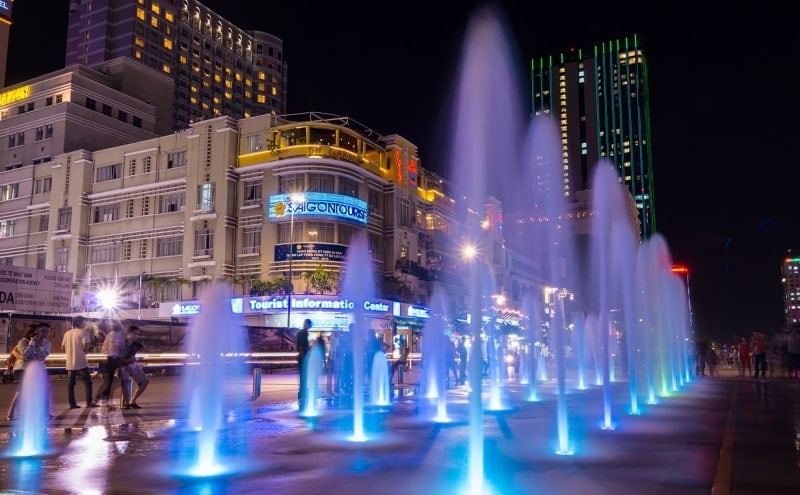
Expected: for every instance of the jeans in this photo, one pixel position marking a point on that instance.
(112, 364)
(72, 378)
(760, 364)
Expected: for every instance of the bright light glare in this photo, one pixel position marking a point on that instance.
(107, 298)
(469, 251)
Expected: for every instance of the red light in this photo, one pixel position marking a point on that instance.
(682, 269)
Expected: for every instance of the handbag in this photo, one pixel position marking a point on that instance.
(12, 358)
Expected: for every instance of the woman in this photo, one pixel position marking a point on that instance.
(34, 346)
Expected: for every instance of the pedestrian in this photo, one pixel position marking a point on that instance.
(701, 354)
(130, 370)
(34, 346)
(462, 352)
(745, 359)
(758, 346)
(302, 345)
(113, 346)
(75, 345)
(451, 366)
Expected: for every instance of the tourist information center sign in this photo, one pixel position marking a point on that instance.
(32, 290)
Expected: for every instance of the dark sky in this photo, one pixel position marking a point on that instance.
(723, 105)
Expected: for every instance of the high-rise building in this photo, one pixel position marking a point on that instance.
(599, 99)
(791, 291)
(5, 27)
(218, 68)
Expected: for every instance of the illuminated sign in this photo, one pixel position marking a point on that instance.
(15, 95)
(318, 303)
(319, 205)
(5, 8)
(184, 309)
(311, 252)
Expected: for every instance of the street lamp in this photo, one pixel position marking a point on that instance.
(292, 202)
(684, 270)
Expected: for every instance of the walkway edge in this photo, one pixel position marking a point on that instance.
(722, 477)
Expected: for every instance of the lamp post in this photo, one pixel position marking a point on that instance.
(293, 201)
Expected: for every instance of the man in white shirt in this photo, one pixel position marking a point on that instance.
(75, 344)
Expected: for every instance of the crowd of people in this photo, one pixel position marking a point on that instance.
(117, 341)
(758, 355)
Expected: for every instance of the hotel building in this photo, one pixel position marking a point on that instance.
(600, 100)
(218, 68)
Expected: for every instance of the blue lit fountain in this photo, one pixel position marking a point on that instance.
(212, 441)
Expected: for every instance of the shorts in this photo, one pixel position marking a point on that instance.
(132, 371)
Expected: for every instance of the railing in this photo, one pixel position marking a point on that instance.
(56, 363)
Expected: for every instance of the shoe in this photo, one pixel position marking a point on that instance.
(134, 406)
(127, 406)
(92, 404)
(74, 406)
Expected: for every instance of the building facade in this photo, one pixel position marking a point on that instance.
(791, 291)
(218, 68)
(5, 27)
(600, 100)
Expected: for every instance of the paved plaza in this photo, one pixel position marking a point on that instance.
(726, 435)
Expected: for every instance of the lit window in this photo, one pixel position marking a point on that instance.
(154, 21)
(166, 68)
(168, 43)
(138, 42)
(155, 8)
(140, 14)
(261, 99)
(274, 91)
(137, 54)
(169, 16)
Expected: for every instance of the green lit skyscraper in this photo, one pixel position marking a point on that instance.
(599, 99)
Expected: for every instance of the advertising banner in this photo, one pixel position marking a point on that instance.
(33, 290)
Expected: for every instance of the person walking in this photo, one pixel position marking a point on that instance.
(745, 359)
(75, 345)
(34, 346)
(758, 346)
(793, 352)
(130, 370)
(302, 345)
(113, 346)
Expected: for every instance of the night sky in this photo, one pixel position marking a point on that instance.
(724, 109)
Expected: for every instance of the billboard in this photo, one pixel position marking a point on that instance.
(34, 290)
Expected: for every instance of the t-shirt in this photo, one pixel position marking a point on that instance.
(74, 341)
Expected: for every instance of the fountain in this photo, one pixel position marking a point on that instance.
(30, 431)
(313, 364)
(210, 441)
(358, 286)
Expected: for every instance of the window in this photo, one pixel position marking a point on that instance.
(405, 213)
(42, 185)
(106, 109)
(7, 228)
(252, 141)
(44, 159)
(48, 101)
(104, 253)
(289, 184)
(205, 196)
(145, 206)
(132, 167)
(137, 121)
(41, 259)
(169, 246)
(168, 203)
(59, 98)
(348, 187)
(62, 258)
(177, 159)
(204, 242)
(147, 163)
(106, 213)
(126, 250)
(108, 172)
(91, 104)
(15, 140)
(39, 134)
(374, 202)
(122, 115)
(346, 233)
(44, 223)
(251, 240)
(64, 218)
(9, 191)
(252, 192)
(321, 231)
(323, 183)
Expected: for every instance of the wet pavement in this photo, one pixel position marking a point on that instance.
(726, 435)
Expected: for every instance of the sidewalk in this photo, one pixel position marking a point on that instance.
(727, 434)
